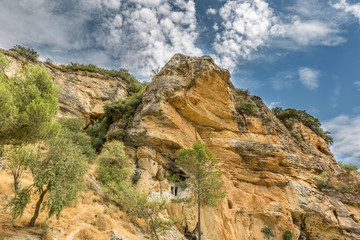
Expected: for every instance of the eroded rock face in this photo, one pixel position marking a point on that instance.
(268, 174)
(83, 93)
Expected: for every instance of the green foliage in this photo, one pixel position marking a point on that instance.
(29, 53)
(268, 232)
(247, 108)
(19, 202)
(57, 179)
(4, 63)
(204, 180)
(18, 159)
(348, 167)
(123, 109)
(72, 130)
(244, 103)
(28, 104)
(149, 211)
(288, 235)
(242, 92)
(114, 172)
(289, 116)
(135, 177)
(324, 181)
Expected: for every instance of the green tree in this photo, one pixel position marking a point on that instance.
(72, 128)
(141, 207)
(57, 178)
(29, 53)
(204, 180)
(18, 159)
(113, 171)
(28, 104)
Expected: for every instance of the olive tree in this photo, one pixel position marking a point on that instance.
(57, 178)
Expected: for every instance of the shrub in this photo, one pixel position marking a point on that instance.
(289, 116)
(136, 176)
(324, 181)
(247, 108)
(268, 232)
(348, 167)
(288, 235)
(4, 63)
(29, 53)
(242, 92)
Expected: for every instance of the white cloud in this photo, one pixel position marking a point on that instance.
(283, 80)
(357, 84)
(273, 104)
(309, 77)
(211, 11)
(346, 131)
(248, 25)
(313, 32)
(137, 34)
(353, 9)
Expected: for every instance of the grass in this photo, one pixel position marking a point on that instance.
(91, 215)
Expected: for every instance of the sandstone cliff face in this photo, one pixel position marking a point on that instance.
(268, 174)
(83, 93)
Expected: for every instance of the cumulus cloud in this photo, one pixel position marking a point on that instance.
(251, 26)
(309, 77)
(139, 35)
(211, 11)
(248, 25)
(346, 131)
(353, 9)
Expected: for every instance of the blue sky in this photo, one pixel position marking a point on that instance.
(302, 54)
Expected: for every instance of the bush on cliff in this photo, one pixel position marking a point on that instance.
(289, 116)
(29, 53)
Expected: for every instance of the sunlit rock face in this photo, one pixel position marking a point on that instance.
(268, 174)
(83, 93)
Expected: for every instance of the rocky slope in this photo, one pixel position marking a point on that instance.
(83, 93)
(268, 174)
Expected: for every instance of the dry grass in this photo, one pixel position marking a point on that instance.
(86, 234)
(91, 218)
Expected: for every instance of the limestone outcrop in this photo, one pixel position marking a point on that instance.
(268, 174)
(83, 93)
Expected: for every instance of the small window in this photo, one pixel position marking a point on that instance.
(176, 191)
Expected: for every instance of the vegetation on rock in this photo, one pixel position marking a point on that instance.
(28, 105)
(289, 116)
(268, 232)
(121, 109)
(204, 180)
(29, 53)
(288, 235)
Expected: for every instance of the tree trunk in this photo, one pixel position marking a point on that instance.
(199, 220)
(37, 208)
(16, 182)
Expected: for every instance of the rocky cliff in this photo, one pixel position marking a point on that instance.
(269, 174)
(83, 93)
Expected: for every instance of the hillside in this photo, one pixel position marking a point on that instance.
(270, 172)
